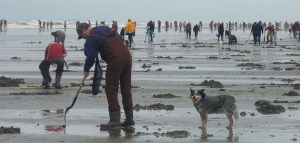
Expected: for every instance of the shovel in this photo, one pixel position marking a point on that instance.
(73, 102)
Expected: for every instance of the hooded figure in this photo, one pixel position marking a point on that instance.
(59, 36)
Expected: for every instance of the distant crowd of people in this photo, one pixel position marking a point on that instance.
(127, 32)
(48, 24)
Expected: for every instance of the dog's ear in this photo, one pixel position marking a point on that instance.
(202, 94)
(200, 91)
(192, 92)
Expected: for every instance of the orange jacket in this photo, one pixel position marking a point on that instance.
(130, 27)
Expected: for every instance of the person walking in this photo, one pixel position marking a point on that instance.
(150, 31)
(54, 53)
(196, 29)
(130, 31)
(270, 32)
(122, 34)
(221, 31)
(257, 30)
(107, 42)
(188, 30)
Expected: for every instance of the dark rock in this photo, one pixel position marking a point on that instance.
(265, 107)
(294, 139)
(260, 103)
(296, 86)
(279, 101)
(75, 64)
(249, 65)
(243, 114)
(212, 84)
(36, 93)
(168, 95)
(159, 69)
(291, 93)
(15, 58)
(157, 106)
(298, 101)
(186, 67)
(176, 134)
(9, 82)
(145, 66)
(292, 108)
(135, 86)
(9, 130)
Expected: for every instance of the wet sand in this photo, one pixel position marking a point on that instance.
(247, 72)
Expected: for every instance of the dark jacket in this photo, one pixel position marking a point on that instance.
(196, 28)
(221, 29)
(107, 42)
(257, 29)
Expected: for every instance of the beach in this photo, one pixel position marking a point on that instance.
(171, 64)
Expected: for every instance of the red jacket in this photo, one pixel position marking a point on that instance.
(55, 50)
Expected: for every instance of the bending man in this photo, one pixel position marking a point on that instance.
(107, 42)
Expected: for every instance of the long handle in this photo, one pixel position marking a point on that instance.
(248, 38)
(74, 100)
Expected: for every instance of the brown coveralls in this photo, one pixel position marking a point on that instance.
(119, 64)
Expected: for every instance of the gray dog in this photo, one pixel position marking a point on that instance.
(205, 104)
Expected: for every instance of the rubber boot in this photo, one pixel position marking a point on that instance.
(57, 81)
(129, 118)
(45, 84)
(113, 121)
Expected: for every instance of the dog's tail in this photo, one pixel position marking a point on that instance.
(236, 113)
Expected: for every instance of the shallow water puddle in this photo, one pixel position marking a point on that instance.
(149, 124)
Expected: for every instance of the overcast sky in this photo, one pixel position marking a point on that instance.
(143, 10)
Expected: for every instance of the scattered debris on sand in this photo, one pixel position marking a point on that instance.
(172, 134)
(36, 93)
(15, 58)
(138, 134)
(187, 67)
(176, 134)
(163, 57)
(144, 66)
(31, 42)
(9, 130)
(157, 106)
(210, 83)
(159, 69)
(167, 95)
(75, 64)
(87, 91)
(296, 86)
(250, 65)
(291, 93)
(243, 114)
(266, 108)
(10, 82)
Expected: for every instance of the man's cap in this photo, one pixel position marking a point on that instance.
(80, 27)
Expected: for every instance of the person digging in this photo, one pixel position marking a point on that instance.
(104, 40)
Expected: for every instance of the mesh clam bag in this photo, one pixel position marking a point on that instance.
(97, 78)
